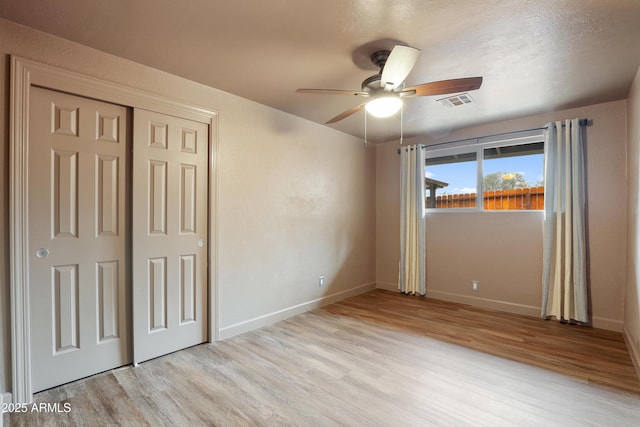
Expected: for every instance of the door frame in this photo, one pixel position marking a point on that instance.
(25, 74)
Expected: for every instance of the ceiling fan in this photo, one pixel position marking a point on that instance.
(385, 89)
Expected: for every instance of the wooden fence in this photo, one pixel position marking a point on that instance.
(531, 198)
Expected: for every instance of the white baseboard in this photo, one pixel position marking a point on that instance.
(634, 351)
(393, 287)
(509, 307)
(470, 300)
(276, 316)
(608, 324)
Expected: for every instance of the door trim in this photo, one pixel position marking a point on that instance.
(24, 74)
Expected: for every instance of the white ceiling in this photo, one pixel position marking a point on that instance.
(535, 56)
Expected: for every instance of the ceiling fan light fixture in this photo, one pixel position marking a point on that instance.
(385, 106)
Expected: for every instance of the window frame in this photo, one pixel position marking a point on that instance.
(477, 146)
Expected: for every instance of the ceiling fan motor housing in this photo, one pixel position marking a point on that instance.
(370, 84)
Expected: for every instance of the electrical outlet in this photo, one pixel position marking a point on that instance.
(475, 286)
(321, 282)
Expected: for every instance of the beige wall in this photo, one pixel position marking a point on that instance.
(503, 250)
(296, 199)
(632, 295)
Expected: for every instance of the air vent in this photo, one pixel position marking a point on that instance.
(456, 100)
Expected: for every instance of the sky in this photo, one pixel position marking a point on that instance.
(462, 176)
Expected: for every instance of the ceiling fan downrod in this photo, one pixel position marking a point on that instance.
(379, 59)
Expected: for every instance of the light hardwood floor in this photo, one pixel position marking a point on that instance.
(378, 359)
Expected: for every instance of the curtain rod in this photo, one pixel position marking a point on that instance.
(583, 122)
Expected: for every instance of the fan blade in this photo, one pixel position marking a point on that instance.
(444, 87)
(398, 66)
(333, 92)
(347, 113)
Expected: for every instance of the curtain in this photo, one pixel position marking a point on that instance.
(412, 276)
(564, 274)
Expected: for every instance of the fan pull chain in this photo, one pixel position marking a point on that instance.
(365, 128)
(401, 122)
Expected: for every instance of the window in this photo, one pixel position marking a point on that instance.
(508, 172)
(453, 180)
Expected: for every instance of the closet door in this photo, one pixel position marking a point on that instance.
(169, 234)
(77, 237)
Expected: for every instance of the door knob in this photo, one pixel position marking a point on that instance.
(42, 253)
